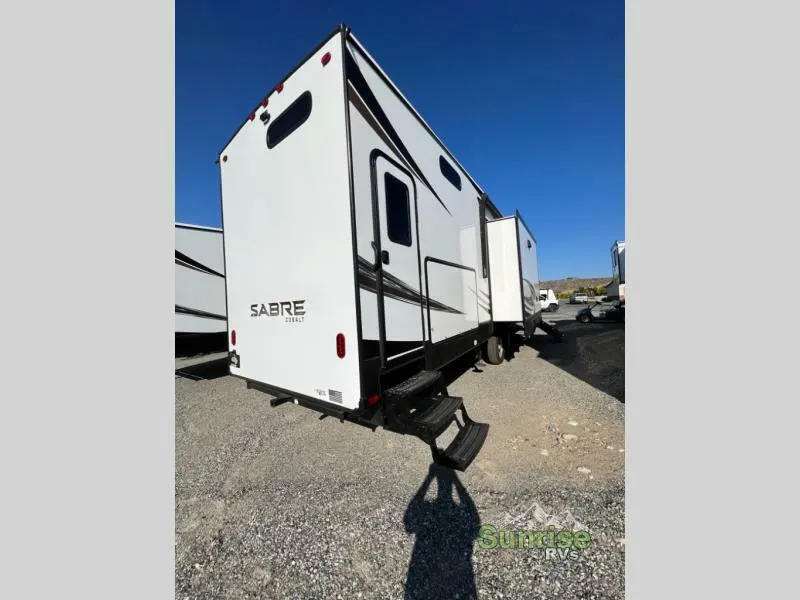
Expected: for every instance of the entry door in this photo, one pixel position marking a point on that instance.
(397, 260)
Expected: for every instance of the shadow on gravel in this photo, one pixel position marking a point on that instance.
(592, 352)
(211, 369)
(441, 561)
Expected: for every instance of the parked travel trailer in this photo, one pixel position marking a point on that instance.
(357, 253)
(616, 290)
(200, 315)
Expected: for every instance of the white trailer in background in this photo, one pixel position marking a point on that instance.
(199, 282)
(514, 269)
(356, 253)
(616, 290)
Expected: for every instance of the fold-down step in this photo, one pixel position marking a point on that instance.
(464, 448)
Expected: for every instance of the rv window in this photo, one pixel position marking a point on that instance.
(449, 173)
(398, 211)
(289, 120)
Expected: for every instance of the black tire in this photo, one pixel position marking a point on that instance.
(553, 307)
(495, 351)
(584, 318)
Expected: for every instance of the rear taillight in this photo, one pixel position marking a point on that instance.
(340, 345)
(373, 400)
(279, 88)
(233, 337)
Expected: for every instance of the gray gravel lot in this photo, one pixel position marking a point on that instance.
(277, 503)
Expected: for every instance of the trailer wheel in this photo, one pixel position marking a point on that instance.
(553, 307)
(495, 351)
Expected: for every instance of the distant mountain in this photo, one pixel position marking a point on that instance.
(570, 284)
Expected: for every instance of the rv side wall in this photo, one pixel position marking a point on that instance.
(288, 239)
(504, 265)
(434, 288)
(199, 280)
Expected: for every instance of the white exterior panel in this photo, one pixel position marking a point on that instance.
(288, 242)
(504, 268)
(514, 271)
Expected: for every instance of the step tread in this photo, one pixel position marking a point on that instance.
(412, 386)
(466, 445)
(438, 415)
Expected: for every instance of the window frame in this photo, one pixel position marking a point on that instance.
(295, 126)
(449, 172)
(386, 176)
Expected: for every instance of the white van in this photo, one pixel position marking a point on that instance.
(548, 301)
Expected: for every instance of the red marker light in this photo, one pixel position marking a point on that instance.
(252, 116)
(326, 58)
(373, 400)
(279, 88)
(233, 337)
(340, 345)
(264, 102)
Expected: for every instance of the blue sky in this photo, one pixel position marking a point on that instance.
(529, 96)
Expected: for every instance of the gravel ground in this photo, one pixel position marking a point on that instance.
(277, 503)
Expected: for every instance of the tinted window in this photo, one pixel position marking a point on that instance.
(289, 120)
(449, 173)
(398, 210)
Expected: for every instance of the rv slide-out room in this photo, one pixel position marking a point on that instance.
(356, 253)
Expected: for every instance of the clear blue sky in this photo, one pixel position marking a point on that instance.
(529, 96)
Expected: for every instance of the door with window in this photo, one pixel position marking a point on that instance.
(397, 261)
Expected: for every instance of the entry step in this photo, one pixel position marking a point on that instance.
(415, 386)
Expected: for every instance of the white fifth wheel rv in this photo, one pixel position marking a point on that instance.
(356, 253)
(199, 282)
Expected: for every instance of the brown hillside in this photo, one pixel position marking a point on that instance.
(574, 283)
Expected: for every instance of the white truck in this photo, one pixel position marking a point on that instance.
(357, 254)
(579, 298)
(548, 300)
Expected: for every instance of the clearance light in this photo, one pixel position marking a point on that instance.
(340, 345)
